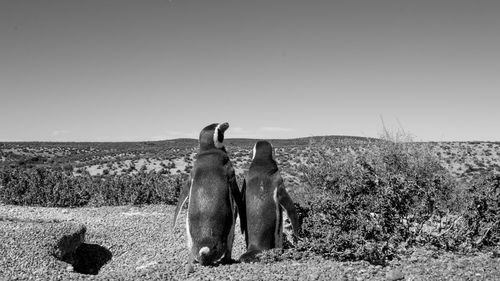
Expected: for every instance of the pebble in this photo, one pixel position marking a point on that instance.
(495, 253)
(314, 276)
(393, 275)
(413, 258)
(189, 269)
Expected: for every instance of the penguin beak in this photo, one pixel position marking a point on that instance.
(223, 127)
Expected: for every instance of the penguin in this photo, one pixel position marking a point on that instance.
(264, 197)
(213, 197)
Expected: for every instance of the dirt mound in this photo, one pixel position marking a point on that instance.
(42, 248)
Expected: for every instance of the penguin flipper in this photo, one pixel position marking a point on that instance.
(286, 202)
(182, 200)
(233, 186)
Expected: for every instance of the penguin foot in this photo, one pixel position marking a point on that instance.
(250, 256)
(229, 261)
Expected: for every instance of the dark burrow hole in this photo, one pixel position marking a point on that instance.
(88, 258)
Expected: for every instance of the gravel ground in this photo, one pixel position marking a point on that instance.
(144, 246)
(27, 247)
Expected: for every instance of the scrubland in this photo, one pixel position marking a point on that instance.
(387, 205)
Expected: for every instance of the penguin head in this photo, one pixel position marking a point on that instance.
(263, 150)
(212, 136)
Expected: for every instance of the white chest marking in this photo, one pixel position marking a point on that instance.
(278, 230)
(188, 233)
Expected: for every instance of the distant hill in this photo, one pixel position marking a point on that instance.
(463, 159)
(185, 142)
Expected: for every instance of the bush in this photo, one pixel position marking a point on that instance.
(55, 188)
(42, 187)
(482, 213)
(475, 223)
(365, 204)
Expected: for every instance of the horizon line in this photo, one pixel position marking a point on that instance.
(236, 138)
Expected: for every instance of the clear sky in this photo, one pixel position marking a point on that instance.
(108, 70)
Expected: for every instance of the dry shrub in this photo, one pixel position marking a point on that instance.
(364, 204)
(56, 188)
(482, 213)
(476, 224)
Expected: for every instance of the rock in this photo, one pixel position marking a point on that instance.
(393, 275)
(495, 253)
(413, 258)
(146, 265)
(189, 268)
(314, 276)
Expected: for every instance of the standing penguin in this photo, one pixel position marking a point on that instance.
(213, 196)
(264, 197)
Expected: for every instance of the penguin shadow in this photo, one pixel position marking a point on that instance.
(190, 266)
(221, 263)
(232, 261)
(89, 258)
